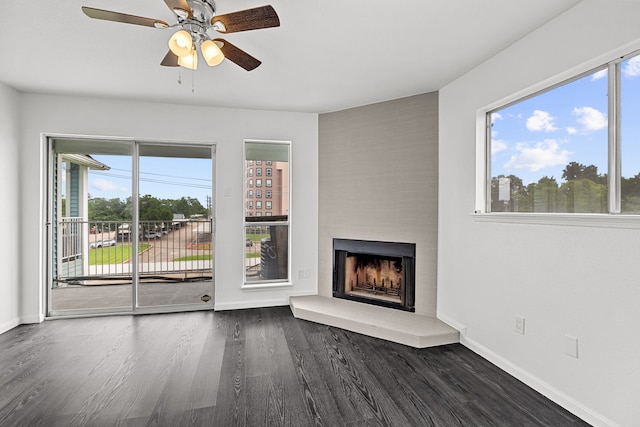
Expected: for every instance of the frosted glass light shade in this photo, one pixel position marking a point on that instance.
(189, 61)
(211, 53)
(180, 43)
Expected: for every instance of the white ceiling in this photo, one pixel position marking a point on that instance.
(327, 55)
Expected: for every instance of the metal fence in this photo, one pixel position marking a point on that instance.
(101, 250)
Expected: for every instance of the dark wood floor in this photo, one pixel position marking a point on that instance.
(257, 367)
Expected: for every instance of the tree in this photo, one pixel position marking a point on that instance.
(574, 171)
(583, 196)
(152, 209)
(517, 193)
(545, 195)
(630, 190)
(115, 209)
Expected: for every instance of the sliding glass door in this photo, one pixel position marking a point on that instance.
(175, 225)
(130, 226)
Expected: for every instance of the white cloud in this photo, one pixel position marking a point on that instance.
(571, 130)
(497, 146)
(600, 75)
(495, 116)
(632, 67)
(541, 120)
(104, 185)
(590, 118)
(541, 155)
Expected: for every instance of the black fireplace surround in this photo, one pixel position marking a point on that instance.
(372, 272)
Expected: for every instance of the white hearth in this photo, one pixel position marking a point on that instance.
(402, 327)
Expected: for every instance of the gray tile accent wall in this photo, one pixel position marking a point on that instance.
(378, 179)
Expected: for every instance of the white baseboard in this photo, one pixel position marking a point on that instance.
(32, 319)
(9, 325)
(571, 405)
(241, 305)
(453, 323)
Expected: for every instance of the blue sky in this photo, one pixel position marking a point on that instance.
(541, 135)
(161, 177)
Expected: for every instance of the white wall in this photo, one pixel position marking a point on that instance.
(577, 281)
(225, 127)
(379, 181)
(9, 217)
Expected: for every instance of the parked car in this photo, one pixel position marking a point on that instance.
(102, 244)
(248, 242)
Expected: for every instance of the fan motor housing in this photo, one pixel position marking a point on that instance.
(202, 10)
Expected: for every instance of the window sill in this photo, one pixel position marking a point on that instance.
(574, 220)
(262, 286)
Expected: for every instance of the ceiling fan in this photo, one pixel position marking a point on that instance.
(196, 19)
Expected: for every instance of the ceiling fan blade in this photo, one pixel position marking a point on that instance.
(178, 4)
(170, 60)
(237, 55)
(250, 19)
(108, 15)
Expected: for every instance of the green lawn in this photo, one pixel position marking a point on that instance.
(113, 254)
(255, 238)
(208, 257)
(193, 258)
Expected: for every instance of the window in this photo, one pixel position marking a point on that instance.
(250, 204)
(250, 183)
(250, 193)
(258, 171)
(629, 135)
(268, 172)
(554, 152)
(267, 260)
(250, 171)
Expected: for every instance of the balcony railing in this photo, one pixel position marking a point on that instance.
(103, 250)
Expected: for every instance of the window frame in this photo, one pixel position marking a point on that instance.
(613, 218)
(276, 221)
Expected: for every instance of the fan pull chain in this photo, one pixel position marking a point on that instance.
(193, 81)
(179, 77)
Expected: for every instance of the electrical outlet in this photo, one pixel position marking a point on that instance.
(571, 346)
(300, 274)
(520, 324)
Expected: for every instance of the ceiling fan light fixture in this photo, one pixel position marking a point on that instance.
(190, 60)
(211, 53)
(181, 43)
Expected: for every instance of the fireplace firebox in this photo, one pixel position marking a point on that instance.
(380, 273)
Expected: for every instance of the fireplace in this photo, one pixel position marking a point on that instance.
(380, 273)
